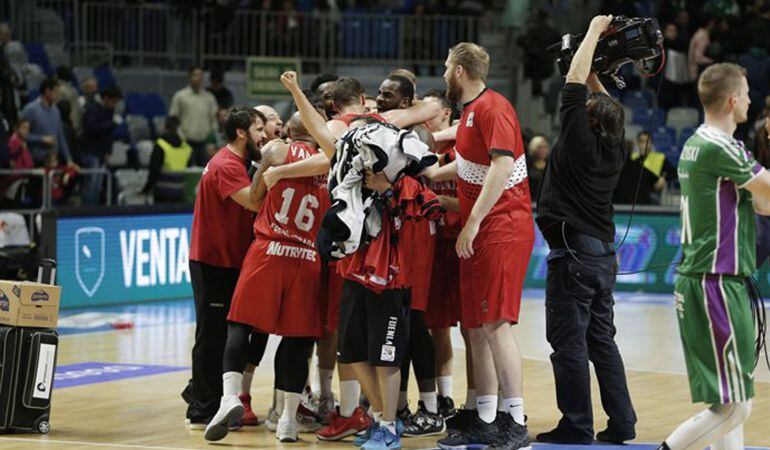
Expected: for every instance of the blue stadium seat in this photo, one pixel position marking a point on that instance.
(641, 97)
(121, 133)
(104, 77)
(37, 55)
(651, 119)
(664, 138)
(135, 104)
(684, 135)
(155, 105)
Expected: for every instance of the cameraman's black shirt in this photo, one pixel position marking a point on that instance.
(581, 175)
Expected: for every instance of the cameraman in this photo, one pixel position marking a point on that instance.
(575, 215)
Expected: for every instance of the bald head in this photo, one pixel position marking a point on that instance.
(297, 130)
(274, 124)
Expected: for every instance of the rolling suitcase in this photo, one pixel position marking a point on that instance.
(27, 363)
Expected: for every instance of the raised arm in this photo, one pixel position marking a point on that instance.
(581, 62)
(312, 120)
(419, 112)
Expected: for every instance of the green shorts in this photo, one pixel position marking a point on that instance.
(717, 333)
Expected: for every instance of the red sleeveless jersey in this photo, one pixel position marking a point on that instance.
(294, 207)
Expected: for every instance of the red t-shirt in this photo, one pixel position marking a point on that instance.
(489, 126)
(221, 230)
(294, 208)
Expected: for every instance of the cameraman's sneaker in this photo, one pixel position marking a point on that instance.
(382, 439)
(287, 430)
(249, 419)
(477, 436)
(424, 423)
(446, 407)
(230, 410)
(341, 427)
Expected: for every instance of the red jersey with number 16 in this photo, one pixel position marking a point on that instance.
(294, 207)
(489, 126)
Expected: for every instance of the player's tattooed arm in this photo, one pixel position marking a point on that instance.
(273, 154)
(419, 112)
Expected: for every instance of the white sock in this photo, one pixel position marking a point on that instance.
(291, 403)
(515, 407)
(709, 426)
(279, 401)
(501, 402)
(402, 401)
(231, 383)
(730, 441)
(430, 401)
(377, 416)
(325, 378)
(444, 386)
(470, 399)
(246, 383)
(487, 407)
(389, 425)
(350, 390)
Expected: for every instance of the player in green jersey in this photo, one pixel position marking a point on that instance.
(722, 186)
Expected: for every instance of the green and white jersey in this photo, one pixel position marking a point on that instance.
(717, 212)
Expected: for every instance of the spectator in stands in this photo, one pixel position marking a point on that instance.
(538, 63)
(96, 141)
(90, 92)
(9, 79)
(220, 92)
(69, 129)
(762, 155)
(699, 43)
(170, 158)
(322, 86)
(538, 152)
(62, 181)
(5, 127)
(46, 130)
(68, 93)
(757, 64)
(19, 159)
(197, 112)
(274, 125)
(656, 171)
(675, 85)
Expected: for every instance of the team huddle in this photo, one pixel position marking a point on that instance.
(366, 246)
(380, 227)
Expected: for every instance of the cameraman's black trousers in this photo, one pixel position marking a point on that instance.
(579, 327)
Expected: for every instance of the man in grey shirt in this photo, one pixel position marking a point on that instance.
(197, 111)
(46, 133)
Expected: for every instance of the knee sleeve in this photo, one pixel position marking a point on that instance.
(421, 349)
(236, 348)
(291, 363)
(257, 346)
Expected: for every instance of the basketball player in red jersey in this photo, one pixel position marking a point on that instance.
(443, 311)
(494, 246)
(279, 286)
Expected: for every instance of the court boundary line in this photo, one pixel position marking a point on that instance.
(93, 444)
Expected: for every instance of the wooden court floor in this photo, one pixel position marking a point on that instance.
(147, 412)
